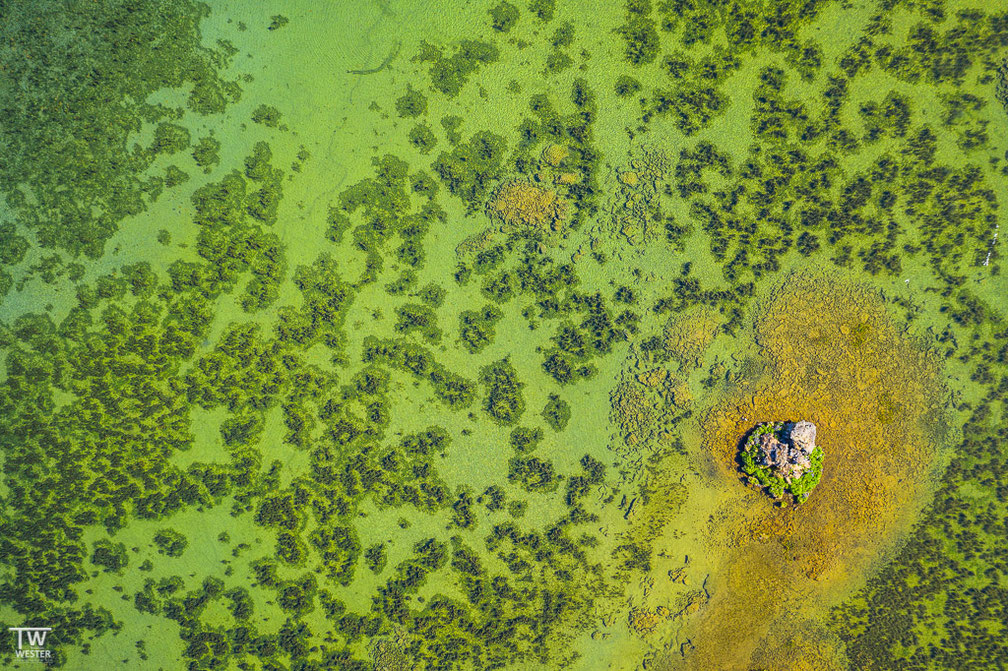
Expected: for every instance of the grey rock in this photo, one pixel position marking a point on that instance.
(772, 452)
(803, 436)
(789, 458)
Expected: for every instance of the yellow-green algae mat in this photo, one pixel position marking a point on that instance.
(378, 335)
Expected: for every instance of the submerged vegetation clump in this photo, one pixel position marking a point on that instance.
(468, 169)
(504, 399)
(325, 441)
(477, 328)
(640, 33)
(411, 104)
(448, 74)
(503, 16)
(71, 132)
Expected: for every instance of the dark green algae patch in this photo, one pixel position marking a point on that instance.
(76, 84)
(109, 486)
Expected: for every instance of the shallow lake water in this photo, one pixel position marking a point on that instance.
(384, 335)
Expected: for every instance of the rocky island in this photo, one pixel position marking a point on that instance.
(783, 457)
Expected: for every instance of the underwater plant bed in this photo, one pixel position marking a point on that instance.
(782, 458)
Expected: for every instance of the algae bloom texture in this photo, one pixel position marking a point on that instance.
(379, 335)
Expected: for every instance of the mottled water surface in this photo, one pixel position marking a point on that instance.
(391, 336)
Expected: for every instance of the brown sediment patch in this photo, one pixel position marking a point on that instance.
(555, 154)
(522, 205)
(687, 335)
(644, 402)
(836, 359)
(636, 201)
(799, 646)
(644, 620)
(567, 178)
(633, 412)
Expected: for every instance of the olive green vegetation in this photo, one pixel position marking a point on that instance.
(376, 557)
(543, 9)
(503, 16)
(85, 179)
(469, 169)
(412, 103)
(504, 400)
(524, 439)
(110, 556)
(99, 409)
(206, 153)
(626, 86)
(421, 319)
(558, 59)
(449, 74)
(799, 488)
(170, 542)
(556, 413)
(422, 137)
(476, 327)
(451, 124)
(267, 115)
(640, 33)
(175, 176)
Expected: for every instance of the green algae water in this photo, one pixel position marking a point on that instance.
(386, 335)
